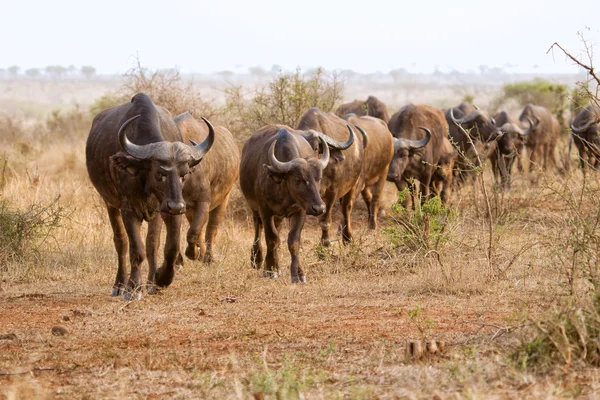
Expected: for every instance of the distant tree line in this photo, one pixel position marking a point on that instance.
(50, 71)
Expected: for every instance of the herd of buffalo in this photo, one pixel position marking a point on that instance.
(139, 161)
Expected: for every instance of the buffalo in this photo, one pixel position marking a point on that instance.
(137, 161)
(206, 191)
(544, 133)
(507, 148)
(418, 132)
(441, 181)
(378, 154)
(470, 129)
(585, 128)
(343, 171)
(372, 107)
(279, 177)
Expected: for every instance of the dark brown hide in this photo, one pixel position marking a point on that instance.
(418, 163)
(541, 142)
(441, 181)
(376, 160)
(139, 184)
(506, 149)
(341, 175)
(274, 192)
(585, 128)
(206, 191)
(372, 107)
(481, 131)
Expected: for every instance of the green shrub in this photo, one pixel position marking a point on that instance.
(282, 101)
(425, 228)
(23, 232)
(540, 92)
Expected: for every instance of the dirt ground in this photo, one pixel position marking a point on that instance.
(224, 331)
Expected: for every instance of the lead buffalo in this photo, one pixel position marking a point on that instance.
(376, 160)
(507, 148)
(136, 160)
(585, 128)
(544, 133)
(372, 107)
(418, 132)
(206, 191)
(279, 177)
(470, 129)
(341, 175)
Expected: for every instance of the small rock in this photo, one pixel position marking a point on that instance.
(66, 318)
(8, 336)
(59, 330)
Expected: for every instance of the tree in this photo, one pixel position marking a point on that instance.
(56, 71)
(13, 70)
(33, 72)
(88, 71)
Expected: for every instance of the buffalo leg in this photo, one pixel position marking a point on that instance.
(256, 256)
(164, 275)
(347, 202)
(214, 220)
(532, 158)
(152, 246)
(376, 190)
(137, 254)
(294, 242)
(197, 219)
(272, 239)
(325, 219)
(122, 246)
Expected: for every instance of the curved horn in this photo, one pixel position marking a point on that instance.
(339, 145)
(456, 121)
(475, 107)
(325, 157)
(365, 136)
(200, 150)
(143, 152)
(282, 166)
(583, 128)
(402, 143)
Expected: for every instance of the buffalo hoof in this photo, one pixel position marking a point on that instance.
(298, 279)
(325, 242)
(116, 291)
(131, 296)
(151, 289)
(270, 274)
(192, 252)
(208, 258)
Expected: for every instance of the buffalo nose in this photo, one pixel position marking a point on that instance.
(176, 208)
(319, 209)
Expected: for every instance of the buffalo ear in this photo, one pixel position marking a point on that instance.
(335, 154)
(129, 164)
(273, 173)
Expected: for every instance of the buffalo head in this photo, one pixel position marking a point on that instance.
(301, 176)
(478, 125)
(404, 149)
(162, 165)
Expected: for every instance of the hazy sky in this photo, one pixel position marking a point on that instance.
(362, 35)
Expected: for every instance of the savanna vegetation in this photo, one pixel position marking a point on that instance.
(493, 295)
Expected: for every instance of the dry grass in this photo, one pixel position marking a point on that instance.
(223, 331)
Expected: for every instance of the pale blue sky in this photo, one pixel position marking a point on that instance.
(365, 36)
